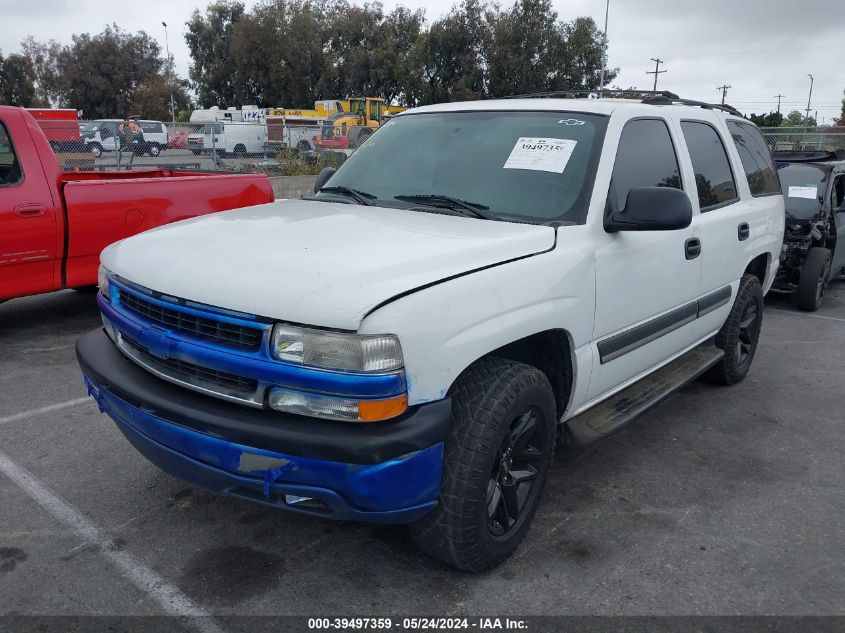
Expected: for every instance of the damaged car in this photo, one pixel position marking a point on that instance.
(813, 254)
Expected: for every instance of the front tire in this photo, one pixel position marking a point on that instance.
(812, 284)
(154, 150)
(740, 333)
(494, 465)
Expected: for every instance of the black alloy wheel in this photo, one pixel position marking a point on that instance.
(514, 473)
(748, 331)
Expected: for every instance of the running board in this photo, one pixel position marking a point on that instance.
(622, 408)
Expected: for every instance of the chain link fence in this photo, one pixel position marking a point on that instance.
(273, 146)
(804, 138)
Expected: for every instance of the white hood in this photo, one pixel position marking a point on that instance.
(315, 263)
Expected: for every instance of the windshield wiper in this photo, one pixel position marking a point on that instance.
(473, 209)
(361, 197)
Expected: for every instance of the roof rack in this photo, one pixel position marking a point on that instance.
(631, 94)
(666, 100)
(650, 97)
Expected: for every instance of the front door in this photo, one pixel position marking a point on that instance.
(646, 282)
(29, 252)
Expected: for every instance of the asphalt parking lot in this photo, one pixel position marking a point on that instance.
(721, 501)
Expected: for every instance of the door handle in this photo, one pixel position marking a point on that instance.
(29, 210)
(692, 248)
(743, 231)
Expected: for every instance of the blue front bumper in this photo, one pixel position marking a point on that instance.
(398, 490)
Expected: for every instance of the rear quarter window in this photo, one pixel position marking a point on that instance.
(756, 159)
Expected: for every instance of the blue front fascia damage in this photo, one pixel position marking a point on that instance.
(399, 490)
(258, 365)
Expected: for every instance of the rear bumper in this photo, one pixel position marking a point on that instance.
(380, 473)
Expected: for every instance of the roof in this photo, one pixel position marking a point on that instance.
(603, 106)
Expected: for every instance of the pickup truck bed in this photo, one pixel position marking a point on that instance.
(53, 224)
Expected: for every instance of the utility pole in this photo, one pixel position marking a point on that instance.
(169, 73)
(810, 98)
(779, 97)
(724, 90)
(604, 47)
(656, 70)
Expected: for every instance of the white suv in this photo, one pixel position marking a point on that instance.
(404, 346)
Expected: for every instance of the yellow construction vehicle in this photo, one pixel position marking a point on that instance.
(348, 129)
(322, 110)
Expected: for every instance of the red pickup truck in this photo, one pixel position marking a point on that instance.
(53, 224)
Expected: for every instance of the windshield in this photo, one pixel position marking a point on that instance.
(803, 187)
(516, 165)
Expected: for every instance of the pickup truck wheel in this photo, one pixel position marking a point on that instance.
(154, 150)
(240, 150)
(96, 150)
(740, 333)
(812, 284)
(494, 465)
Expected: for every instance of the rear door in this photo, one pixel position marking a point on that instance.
(29, 245)
(646, 282)
(737, 198)
(725, 220)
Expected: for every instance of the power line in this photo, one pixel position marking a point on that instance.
(656, 70)
(724, 90)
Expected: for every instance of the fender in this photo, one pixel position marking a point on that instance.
(470, 315)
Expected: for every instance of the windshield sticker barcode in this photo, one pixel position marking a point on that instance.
(803, 192)
(541, 154)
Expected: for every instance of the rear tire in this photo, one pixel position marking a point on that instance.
(96, 150)
(494, 465)
(154, 150)
(240, 150)
(740, 333)
(812, 284)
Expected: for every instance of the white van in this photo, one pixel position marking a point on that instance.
(153, 138)
(108, 135)
(235, 139)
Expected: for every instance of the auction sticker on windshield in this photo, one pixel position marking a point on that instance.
(803, 192)
(541, 154)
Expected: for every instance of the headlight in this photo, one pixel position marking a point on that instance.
(334, 350)
(103, 281)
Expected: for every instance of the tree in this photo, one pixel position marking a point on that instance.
(115, 74)
(772, 119)
(213, 72)
(43, 58)
(16, 87)
(530, 51)
(796, 119)
(448, 59)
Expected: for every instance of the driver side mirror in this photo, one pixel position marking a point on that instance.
(652, 209)
(323, 178)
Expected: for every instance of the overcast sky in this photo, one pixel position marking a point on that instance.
(759, 47)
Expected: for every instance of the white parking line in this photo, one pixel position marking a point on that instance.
(171, 600)
(806, 314)
(48, 409)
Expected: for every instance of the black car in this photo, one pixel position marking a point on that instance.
(813, 185)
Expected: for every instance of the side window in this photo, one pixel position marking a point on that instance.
(713, 177)
(10, 168)
(756, 159)
(645, 158)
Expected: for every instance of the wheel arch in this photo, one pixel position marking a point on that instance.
(550, 351)
(759, 266)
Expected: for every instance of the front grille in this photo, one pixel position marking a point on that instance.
(194, 374)
(202, 327)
